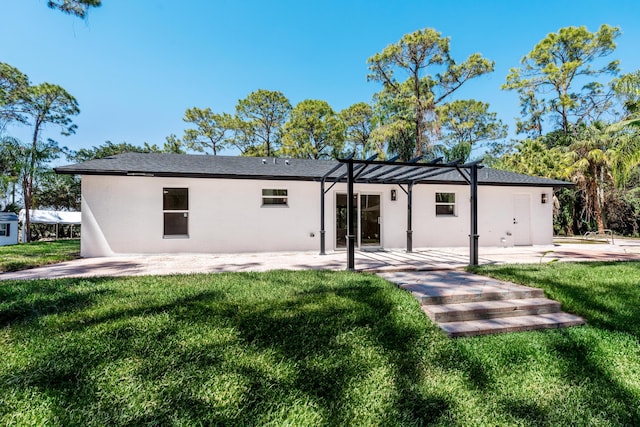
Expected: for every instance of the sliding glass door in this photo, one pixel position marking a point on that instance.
(367, 207)
(370, 220)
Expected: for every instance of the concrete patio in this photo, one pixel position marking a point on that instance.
(374, 261)
(462, 304)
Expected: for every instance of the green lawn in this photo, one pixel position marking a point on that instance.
(308, 348)
(35, 254)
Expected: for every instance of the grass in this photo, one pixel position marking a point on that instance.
(607, 294)
(309, 348)
(36, 254)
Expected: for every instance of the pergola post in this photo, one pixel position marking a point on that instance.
(351, 219)
(473, 237)
(401, 173)
(322, 230)
(409, 223)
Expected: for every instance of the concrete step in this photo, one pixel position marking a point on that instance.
(490, 309)
(430, 294)
(510, 324)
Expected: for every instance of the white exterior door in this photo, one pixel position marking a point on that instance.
(521, 220)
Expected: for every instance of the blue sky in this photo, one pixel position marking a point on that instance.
(135, 66)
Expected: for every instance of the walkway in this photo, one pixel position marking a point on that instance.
(393, 260)
(465, 304)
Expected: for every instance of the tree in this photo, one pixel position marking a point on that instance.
(416, 55)
(394, 131)
(57, 192)
(44, 104)
(624, 156)
(546, 82)
(13, 84)
(358, 122)
(533, 157)
(78, 8)
(47, 104)
(260, 118)
(465, 123)
(627, 89)
(314, 131)
(29, 162)
(211, 132)
(110, 149)
(173, 144)
(8, 170)
(589, 167)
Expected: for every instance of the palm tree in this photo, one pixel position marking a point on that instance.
(590, 157)
(626, 154)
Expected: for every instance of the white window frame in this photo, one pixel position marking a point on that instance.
(4, 227)
(284, 196)
(452, 204)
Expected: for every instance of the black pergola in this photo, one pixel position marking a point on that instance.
(371, 171)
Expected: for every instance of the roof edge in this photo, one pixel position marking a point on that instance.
(294, 178)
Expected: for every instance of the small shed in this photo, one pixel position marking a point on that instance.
(8, 228)
(56, 218)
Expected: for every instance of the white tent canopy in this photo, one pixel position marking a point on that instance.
(49, 217)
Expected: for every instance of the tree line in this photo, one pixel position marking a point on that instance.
(574, 124)
(578, 126)
(413, 115)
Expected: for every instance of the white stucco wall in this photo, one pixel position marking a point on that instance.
(495, 216)
(124, 215)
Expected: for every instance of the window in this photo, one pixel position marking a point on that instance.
(5, 229)
(272, 197)
(445, 204)
(175, 206)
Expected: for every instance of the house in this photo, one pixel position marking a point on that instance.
(8, 228)
(173, 203)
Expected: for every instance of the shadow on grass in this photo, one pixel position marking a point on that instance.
(611, 305)
(27, 301)
(603, 294)
(328, 339)
(255, 349)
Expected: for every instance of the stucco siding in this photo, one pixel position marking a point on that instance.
(124, 214)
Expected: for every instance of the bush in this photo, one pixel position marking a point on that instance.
(621, 211)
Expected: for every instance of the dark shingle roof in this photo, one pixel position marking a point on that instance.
(190, 165)
(201, 166)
